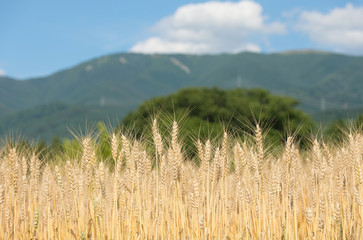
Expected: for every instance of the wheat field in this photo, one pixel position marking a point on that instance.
(238, 190)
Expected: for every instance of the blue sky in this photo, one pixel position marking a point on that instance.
(40, 37)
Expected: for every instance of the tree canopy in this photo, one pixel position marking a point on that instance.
(209, 111)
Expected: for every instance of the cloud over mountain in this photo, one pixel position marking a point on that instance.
(2, 72)
(340, 29)
(211, 27)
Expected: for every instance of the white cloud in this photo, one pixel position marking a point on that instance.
(2, 72)
(341, 28)
(291, 13)
(211, 27)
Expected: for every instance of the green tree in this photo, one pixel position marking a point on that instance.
(202, 110)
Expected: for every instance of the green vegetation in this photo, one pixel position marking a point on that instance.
(204, 109)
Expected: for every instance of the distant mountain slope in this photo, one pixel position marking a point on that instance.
(128, 79)
(326, 117)
(15, 95)
(45, 121)
(123, 81)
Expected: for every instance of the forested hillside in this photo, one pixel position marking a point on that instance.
(119, 83)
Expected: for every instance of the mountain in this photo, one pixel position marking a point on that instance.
(123, 81)
(45, 121)
(15, 95)
(329, 116)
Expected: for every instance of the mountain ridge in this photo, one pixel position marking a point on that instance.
(122, 81)
(65, 84)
